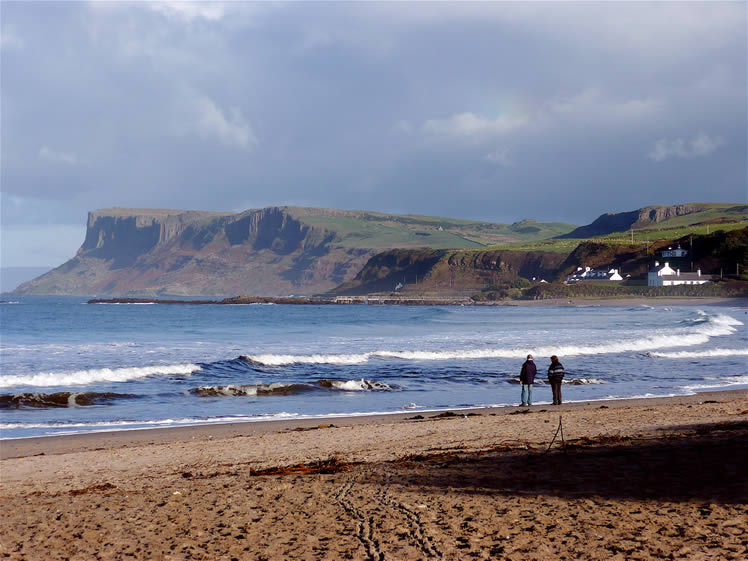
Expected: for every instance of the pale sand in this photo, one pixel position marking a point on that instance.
(639, 479)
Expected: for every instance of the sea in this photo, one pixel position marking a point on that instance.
(67, 366)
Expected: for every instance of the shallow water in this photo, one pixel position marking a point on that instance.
(67, 366)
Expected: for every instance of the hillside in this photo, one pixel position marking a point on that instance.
(662, 218)
(494, 274)
(273, 251)
(448, 272)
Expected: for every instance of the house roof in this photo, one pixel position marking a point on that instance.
(687, 276)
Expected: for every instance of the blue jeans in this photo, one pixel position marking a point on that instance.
(526, 394)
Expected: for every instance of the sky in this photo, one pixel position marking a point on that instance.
(558, 111)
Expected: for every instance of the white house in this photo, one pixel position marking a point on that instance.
(666, 276)
(585, 274)
(677, 252)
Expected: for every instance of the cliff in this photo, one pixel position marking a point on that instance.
(186, 253)
(449, 272)
(496, 274)
(274, 251)
(620, 222)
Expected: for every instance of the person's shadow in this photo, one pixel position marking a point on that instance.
(707, 462)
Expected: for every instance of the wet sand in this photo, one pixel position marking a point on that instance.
(662, 478)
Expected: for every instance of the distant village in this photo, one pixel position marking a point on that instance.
(659, 275)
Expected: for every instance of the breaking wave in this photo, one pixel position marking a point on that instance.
(570, 381)
(59, 399)
(84, 377)
(702, 354)
(711, 383)
(290, 389)
(583, 381)
(697, 331)
(283, 360)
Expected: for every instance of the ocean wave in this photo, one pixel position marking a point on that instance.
(711, 383)
(355, 385)
(570, 381)
(283, 360)
(123, 303)
(701, 354)
(128, 424)
(705, 328)
(583, 381)
(291, 388)
(251, 390)
(84, 377)
(59, 399)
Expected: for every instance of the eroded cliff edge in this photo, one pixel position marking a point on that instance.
(186, 253)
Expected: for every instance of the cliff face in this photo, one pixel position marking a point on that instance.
(449, 271)
(164, 252)
(622, 221)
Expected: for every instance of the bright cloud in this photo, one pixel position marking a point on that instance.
(208, 120)
(593, 103)
(9, 39)
(57, 157)
(701, 145)
(470, 124)
(189, 11)
(500, 157)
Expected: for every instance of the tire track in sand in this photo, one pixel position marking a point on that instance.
(364, 524)
(418, 533)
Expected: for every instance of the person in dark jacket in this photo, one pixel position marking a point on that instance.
(527, 379)
(556, 378)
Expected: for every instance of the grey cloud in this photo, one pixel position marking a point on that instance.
(48, 154)
(700, 145)
(495, 111)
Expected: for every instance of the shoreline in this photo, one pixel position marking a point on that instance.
(415, 300)
(111, 439)
(648, 479)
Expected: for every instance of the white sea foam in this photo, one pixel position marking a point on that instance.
(84, 377)
(698, 333)
(702, 354)
(359, 385)
(113, 425)
(718, 383)
(282, 360)
(123, 303)
(583, 381)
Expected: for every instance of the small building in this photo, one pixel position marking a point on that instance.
(677, 252)
(586, 274)
(667, 276)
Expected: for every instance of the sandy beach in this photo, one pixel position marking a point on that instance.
(658, 478)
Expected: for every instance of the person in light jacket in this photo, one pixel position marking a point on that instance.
(556, 378)
(527, 379)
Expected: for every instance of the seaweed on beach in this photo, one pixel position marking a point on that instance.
(328, 466)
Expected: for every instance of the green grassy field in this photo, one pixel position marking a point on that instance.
(669, 231)
(374, 230)
(364, 229)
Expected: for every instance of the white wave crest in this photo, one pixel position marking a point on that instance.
(718, 383)
(698, 333)
(127, 425)
(583, 381)
(84, 377)
(282, 360)
(703, 354)
(359, 385)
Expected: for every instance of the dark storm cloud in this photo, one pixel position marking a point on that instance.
(495, 111)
